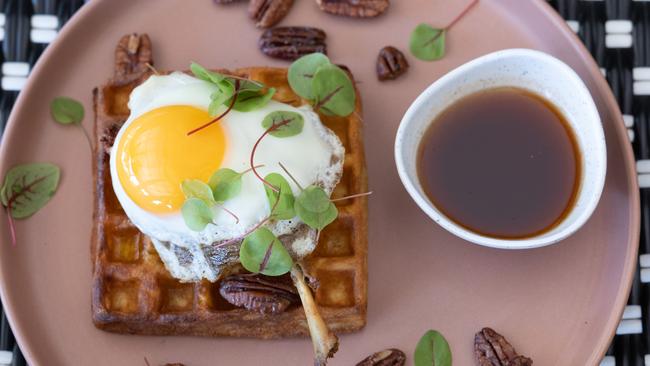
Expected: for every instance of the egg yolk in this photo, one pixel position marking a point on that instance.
(155, 155)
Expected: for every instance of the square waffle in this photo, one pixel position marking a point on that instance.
(134, 293)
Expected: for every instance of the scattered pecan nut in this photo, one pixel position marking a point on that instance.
(133, 57)
(492, 349)
(290, 43)
(354, 8)
(267, 295)
(387, 357)
(267, 13)
(391, 63)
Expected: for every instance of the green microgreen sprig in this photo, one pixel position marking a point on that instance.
(428, 43)
(324, 84)
(68, 111)
(224, 184)
(282, 200)
(330, 91)
(432, 349)
(262, 252)
(26, 189)
(233, 92)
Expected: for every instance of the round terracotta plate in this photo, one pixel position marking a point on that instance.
(559, 305)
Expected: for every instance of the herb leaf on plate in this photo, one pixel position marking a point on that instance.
(27, 188)
(427, 43)
(66, 110)
(432, 350)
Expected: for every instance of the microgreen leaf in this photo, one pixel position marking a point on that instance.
(317, 220)
(314, 208)
(194, 188)
(333, 91)
(204, 74)
(294, 125)
(27, 188)
(246, 84)
(314, 199)
(432, 349)
(66, 110)
(216, 101)
(249, 100)
(262, 252)
(225, 184)
(196, 214)
(284, 209)
(427, 43)
(302, 71)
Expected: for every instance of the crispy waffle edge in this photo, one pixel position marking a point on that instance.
(133, 293)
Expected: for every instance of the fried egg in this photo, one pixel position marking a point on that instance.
(152, 155)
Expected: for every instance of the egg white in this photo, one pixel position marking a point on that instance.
(315, 156)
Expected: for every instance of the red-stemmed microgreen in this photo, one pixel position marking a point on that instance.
(281, 200)
(301, 73)
(197, 208)
(237, 93)
(226, 183)
(290, 175)
(262, 252)
(219, 117)
(68, 111)
(324, 84)
(239, 238)
(314, 207)
(267, 257)
(428, 43)
(275, 126)
(26, 189)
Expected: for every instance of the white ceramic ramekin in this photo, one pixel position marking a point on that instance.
(521, 68)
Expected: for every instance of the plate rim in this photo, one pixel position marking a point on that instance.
(578, 48)
(629, 162)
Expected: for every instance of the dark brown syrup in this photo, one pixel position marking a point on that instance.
(502, 162)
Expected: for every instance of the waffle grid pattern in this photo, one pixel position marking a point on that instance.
(134, 293)
(617, 32)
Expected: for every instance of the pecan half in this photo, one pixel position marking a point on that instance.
(391, 63)
(267, 295)
(268, 13)
(289, 43)
(132, 57)
(492, 349)
(387, 357)
(354, 8)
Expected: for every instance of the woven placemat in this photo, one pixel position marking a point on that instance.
(617, 32)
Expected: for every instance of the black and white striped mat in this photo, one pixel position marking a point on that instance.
(617, 32)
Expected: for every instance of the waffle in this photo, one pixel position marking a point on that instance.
(134, 293)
